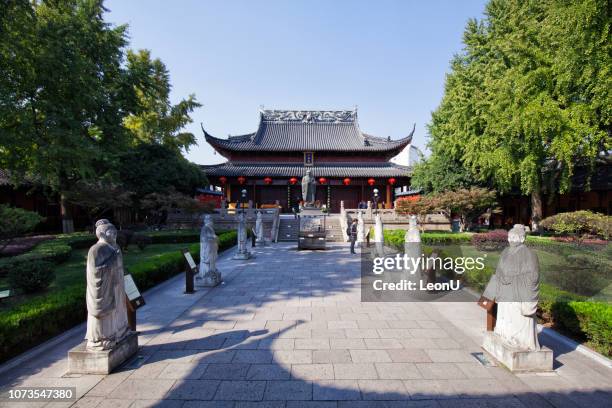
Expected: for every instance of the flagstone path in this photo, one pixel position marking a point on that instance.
(288, 329)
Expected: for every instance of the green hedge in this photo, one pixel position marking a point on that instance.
(55, 251)
(35, 321)
(395, 238)
(59, 249)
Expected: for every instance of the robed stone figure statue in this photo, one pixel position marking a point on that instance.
(309, 186)
(209, 248)
(515, 288)
(107, 322)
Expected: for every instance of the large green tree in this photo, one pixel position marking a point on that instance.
(61, 93)
(154, 118)
(72, 104)
(155, 168)
(529, 96)
(437, 174)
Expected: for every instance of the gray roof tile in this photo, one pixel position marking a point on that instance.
(283, 131)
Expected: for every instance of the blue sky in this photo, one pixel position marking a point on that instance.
(388, 58)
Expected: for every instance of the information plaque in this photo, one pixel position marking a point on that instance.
(189, 260)
(132, 292)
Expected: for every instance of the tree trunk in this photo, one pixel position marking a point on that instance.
(536, 210)
(66, 213)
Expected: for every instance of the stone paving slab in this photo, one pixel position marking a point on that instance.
(288, 329)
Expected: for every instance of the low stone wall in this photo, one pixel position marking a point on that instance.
(391, 220)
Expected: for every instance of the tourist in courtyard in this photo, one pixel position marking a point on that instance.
(352, 233)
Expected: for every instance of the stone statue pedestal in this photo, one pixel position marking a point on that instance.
(517, 360)
(311, 211)
(210, 280)
(83, 361)
(242, 255)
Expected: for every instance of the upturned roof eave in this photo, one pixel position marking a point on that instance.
(225, 146)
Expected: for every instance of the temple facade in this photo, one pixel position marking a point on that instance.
(347, 163)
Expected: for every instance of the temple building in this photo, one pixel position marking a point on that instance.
(347, 163)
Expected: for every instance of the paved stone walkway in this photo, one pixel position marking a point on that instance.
(288, 329)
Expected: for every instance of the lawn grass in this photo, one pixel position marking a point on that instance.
(73, 270)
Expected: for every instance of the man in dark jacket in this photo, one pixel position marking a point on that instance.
(351, 231)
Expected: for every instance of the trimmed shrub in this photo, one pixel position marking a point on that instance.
(445, 238)
(490, 241)
(395, 238)
(31, 277)
(15, 222)
(142, 241)
(124, 238)
(580, 223)
(595, 321)
(55, 251)
(174, 236)
(39, 319)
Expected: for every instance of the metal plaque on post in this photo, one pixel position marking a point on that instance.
(190, 271)
(133, 300)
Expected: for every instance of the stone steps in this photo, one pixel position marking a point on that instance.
(334, 231)
(288, 230)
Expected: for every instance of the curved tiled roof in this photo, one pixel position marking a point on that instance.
(383, 169)
(285, 131)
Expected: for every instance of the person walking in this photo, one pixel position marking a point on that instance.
(351, 231)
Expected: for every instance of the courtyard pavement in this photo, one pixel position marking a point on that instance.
(288, 329)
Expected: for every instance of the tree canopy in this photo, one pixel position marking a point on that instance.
(75, 102)
(529, 95)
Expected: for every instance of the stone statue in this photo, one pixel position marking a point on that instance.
(515, 288)
(259, 229)
(107, 322)
(412, 234)
(378, 229)
(309, 186)
(209, 248)
(379, 236)
(360, 228)
(243, 252)
(412, 241)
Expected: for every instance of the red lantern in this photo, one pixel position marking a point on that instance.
(371, 181)
(322, 180)
(223, 179)
(293, 180)
(391, 181)
(346, 181)
(268, 180)
(241, 180)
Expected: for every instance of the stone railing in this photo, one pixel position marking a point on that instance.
(344, 222)
(432, 222)
(224, 218)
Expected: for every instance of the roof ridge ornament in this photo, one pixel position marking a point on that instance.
(308, 116)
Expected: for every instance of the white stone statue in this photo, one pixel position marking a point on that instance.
(360, 228)
(378, 229)
(209, 249)
(412, 242)
(515, 288)
(412, 234)
(379, 236)
(243, 252)
(259, 230)
(107, 322)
